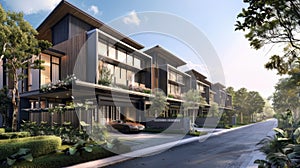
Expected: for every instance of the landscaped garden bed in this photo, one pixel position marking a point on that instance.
(59, 159)
(56, 146)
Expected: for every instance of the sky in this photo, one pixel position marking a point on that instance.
(242, 66)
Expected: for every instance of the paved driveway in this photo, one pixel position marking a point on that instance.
(144, 140)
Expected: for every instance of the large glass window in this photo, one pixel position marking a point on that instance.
(117, 75)
(120, 76)
(137, 63)
(179, 78)
(200, 87)
(122, 56)
(110, 68)
(172, 76)
(130, 77)
(129, 60)
(175, 77)
(174, 89)
(112, 52)
(123, 77)
(102, 48)
(45, 74)
(51, 69)
(55, 69)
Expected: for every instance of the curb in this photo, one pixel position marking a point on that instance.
(150, 150)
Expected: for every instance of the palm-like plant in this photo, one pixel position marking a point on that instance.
(282, 150)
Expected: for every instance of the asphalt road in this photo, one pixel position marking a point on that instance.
(229, 150)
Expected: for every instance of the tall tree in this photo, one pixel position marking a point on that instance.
(255, 104)
(273, 22)
(286, 96)
(241, 96)
(18, 50)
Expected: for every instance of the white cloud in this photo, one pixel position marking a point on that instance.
(31, 6)
(94, 10)
(132, 18)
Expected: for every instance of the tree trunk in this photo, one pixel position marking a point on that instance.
(242, 120)
(15, 102)
(193, 117)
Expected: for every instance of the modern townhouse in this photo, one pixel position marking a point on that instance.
(168, 78)
(200, 83)
(113, 75)
(114, 78)
(221, 97)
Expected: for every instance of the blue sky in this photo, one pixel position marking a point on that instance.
(242, 66)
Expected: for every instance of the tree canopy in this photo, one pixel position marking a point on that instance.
(18, 50)
(286, 96)
(158, 102)
(246, 103)
(273, 22)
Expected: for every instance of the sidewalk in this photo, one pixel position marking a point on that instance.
(158, 148)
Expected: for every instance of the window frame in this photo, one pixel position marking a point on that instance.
(51, 72)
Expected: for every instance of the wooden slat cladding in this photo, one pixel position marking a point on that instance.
(75, 51)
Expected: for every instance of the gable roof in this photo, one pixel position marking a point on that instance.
(64, 8)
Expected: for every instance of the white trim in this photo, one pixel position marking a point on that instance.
(87, 84)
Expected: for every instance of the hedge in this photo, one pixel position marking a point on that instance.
(39, 145)
(2, 130)
(12, 135)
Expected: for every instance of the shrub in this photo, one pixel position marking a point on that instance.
(67, 132)
(22, 154)
(12, 135)
(62, 160)
(197, 133)
(39, 145)
(2, 130)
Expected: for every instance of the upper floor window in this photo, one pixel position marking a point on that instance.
(51, 69)
(179, 78)
(102, 48)
(200, 87)
(174, 89)
(137, 63)
(129, 60)
(112, 52)
(109, 50)
(121, 56)
(175, 77)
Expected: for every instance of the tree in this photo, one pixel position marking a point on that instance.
(158, 103)
(4, 105)
(286, 96)
(273, 22)
(268, 110)
(255, 104)
(105, 77)
(18, 50)
(240, 102)
(214, 109)
(193, 100)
